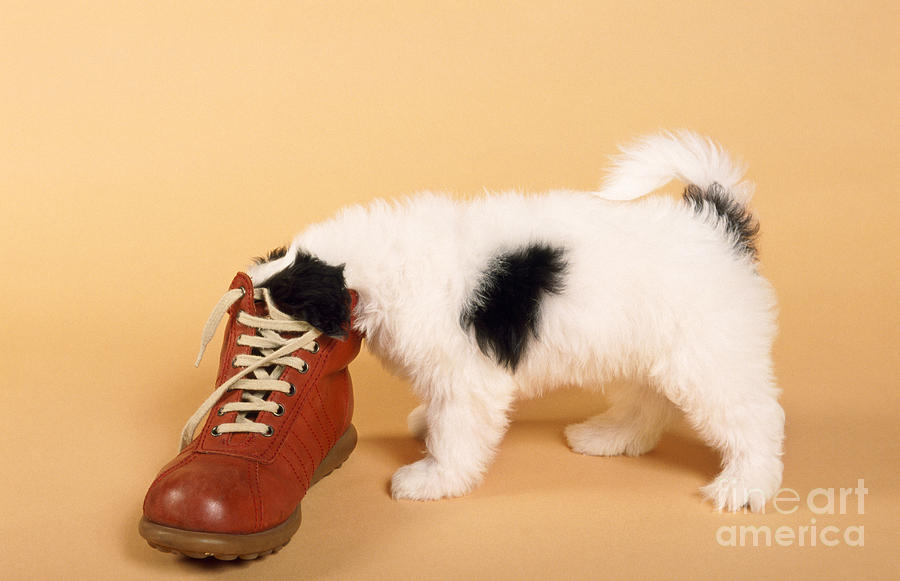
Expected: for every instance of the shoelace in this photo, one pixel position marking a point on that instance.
(274, 350)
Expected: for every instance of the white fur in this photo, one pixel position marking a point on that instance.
(653, 291)
(654, 160)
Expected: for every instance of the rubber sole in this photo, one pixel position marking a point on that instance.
(227, 547)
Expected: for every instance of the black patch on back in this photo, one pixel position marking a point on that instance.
(313, 291)
(739, 223)
(273, 254)
(505, 308)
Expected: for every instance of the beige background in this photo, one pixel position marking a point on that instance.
(149, 149)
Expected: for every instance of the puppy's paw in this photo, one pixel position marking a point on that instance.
(425, 480)
(731, 494)
(600, 436)
(417, 422)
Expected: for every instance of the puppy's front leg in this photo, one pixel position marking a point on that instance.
(464, 428)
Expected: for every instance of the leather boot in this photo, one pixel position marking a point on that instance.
(278, 422)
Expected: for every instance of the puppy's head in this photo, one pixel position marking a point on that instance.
(307, 289)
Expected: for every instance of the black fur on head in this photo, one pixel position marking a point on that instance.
(505, 308)
(313, 291)
(737, 219)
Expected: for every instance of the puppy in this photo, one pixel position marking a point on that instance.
(481, 302)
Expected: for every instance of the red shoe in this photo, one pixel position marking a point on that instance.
(278, 422)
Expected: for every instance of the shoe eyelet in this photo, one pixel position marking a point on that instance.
(215, 431)
(234, 362)
(305, 367)
(291, 391)
(221, 412)
(279, 411)
(269, 431)
(315, 347)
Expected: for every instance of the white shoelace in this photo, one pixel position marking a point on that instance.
(274, 350)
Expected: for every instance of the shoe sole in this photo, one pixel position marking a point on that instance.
(227, 547)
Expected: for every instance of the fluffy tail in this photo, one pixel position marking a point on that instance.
(653, 161)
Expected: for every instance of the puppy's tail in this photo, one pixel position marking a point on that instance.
(654, 160)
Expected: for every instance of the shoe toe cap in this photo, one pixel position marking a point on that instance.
(210, 493)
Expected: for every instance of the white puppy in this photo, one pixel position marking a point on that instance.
(481, 302)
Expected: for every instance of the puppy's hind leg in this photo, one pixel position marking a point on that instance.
(734, 406)
(466, 419)
(417, 422)
(632, 426)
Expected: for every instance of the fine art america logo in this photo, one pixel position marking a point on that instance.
(819, 501)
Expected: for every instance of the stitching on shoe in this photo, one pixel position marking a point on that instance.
(187, 460)
(334, 431)
(270, 453)
(304, 478)
(322, 450)
(311, 459)
(321, 407)
(253, 469)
